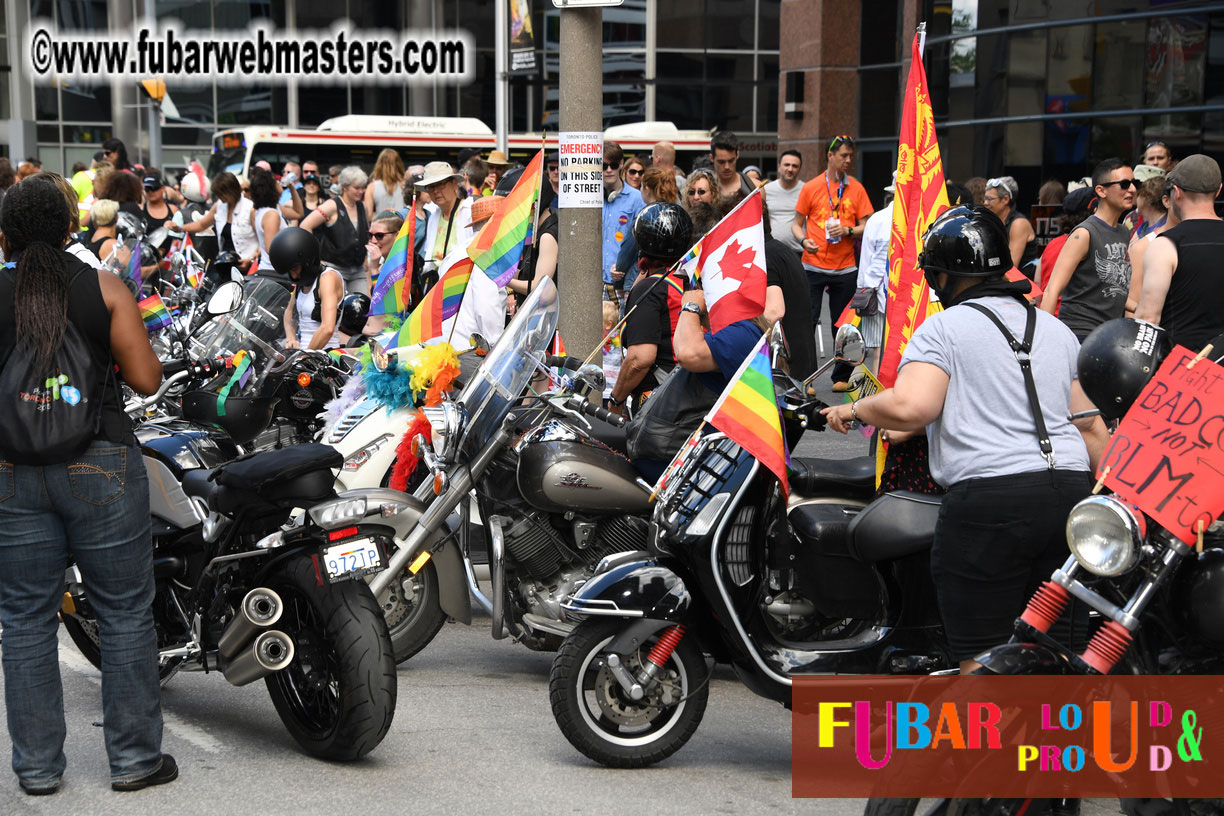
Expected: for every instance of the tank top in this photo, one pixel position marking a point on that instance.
(264, 261)
(87, 311)
(344, 247)
(385, 199)
(1193, 312)
(1098, 287)
(306, 305)
(1031, 251)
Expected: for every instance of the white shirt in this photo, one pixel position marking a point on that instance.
(873, 264)
(246, 244)
(483, 309)
(461, 231)
(80, 251)
(781, 203)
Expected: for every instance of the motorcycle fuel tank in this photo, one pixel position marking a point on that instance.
(169, 450)
(560, 470)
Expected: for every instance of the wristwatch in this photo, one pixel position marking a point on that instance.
(691, 307)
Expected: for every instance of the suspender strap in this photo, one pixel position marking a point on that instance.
(1023, 351)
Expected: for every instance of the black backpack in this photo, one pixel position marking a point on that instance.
(53, 411)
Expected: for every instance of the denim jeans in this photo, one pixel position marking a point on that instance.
(841, 292)
(93, 509)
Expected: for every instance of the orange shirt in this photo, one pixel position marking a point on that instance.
(818, 200)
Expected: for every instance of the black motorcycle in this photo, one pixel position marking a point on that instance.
(834, 582)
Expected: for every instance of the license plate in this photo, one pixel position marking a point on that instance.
(348, 559)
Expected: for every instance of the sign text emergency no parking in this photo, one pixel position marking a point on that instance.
(581, 169)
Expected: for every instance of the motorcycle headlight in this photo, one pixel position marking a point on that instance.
(338, 512)
(446, 423)
(1104, 536)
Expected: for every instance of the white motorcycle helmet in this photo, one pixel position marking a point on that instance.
(195, 184)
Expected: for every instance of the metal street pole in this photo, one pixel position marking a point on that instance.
(155, 139)
(581, 229)
(501, 69)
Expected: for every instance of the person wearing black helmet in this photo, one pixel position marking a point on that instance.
(993, 381)
(310, 319)
(663, 232)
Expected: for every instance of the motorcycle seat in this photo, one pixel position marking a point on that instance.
(609, 435)
(895, 525)
(811, 477)
(303, 476)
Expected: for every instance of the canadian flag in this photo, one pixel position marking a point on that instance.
(730, 263)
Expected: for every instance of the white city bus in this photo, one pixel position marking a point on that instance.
(358, 139)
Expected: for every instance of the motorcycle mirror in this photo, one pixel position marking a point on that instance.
(592, 376)
(480, 346)
(848, 346)
(226, 299)
(378, 355)
(778, 347)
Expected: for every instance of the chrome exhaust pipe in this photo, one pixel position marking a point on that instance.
(260, 609)
(272, 650)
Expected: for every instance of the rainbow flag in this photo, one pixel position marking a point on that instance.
(439, 304)
(747, 412)
(389, 297)
(134, 265)
(154, 313)
(498, 247)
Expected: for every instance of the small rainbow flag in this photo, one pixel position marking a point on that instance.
(389, 297)
(747, 412)
(439, 304)
(154, 313)
(134, 265)
(498, 247)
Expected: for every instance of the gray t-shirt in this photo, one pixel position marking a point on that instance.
(781, 203)
(1098, 287)
(987, 427)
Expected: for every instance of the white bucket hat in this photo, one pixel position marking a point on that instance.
(435, 172)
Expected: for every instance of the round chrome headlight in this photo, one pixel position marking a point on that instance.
(1104, 536)
(446, 424)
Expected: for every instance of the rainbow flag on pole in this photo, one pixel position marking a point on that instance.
(134, 265)
(498, 247)
(389, 297)
(439, 304)
(154, 313)
(747, 412)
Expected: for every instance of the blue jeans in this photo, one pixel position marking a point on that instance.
(93, 509)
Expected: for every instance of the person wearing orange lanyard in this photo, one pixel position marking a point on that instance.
(830, 214)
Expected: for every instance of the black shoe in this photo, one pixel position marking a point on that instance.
(39, 790)
(166, 772)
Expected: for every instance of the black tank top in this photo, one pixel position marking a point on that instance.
(1193, 311)
(344, 246)
(1031, 251)
(87, 311)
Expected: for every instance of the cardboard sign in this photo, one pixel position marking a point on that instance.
(1167, 456)
(581, 170)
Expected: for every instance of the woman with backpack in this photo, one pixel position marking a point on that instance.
(72, 486)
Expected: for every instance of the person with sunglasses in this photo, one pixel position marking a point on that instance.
(1000, 197)
(383, 229)
(621, 206)
(1092, 274)
(632, 170)
(832, 210)
(1158, 154)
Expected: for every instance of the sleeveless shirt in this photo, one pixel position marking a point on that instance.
(1193, 312)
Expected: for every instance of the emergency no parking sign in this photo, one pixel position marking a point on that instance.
(581, 169)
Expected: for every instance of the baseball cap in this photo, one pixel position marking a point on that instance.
(1079, 200)
(1196, 174)
(1147, 172)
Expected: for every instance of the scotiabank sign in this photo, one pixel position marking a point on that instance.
(1008, 737)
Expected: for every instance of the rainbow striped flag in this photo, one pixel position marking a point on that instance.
(439, 304)
(498, 247)
(389, 297)
(747, 412)
(154, 313)
(134, 265)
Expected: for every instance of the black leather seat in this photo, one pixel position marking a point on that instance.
(610, 435)
(894, 525)
(854, 478)
(299, 476)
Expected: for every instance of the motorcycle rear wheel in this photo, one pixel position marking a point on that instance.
(601, 721)
(337, 696)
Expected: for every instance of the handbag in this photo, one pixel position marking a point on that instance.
(866, 301)
(675, 409)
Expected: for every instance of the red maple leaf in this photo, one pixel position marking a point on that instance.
(739, 263)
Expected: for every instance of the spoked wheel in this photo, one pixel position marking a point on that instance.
(337, 696)
(412, 611)
(600, 718)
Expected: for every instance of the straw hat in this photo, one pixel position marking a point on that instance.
(497, 159)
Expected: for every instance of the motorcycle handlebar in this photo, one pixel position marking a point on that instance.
(597, 411)
(568, 363)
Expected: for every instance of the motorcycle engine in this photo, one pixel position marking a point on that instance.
(539, 549)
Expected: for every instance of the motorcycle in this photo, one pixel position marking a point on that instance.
(831, 581)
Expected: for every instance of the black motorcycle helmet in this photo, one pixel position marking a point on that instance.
(1117, 360)
(354, 308)
(293, 246)
(965, 242)
(663, 231)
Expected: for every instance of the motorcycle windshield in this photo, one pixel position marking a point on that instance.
(501, 378)
(256, 326)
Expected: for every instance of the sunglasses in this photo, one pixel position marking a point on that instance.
(633, 172)
(552, 168)
(838, 141)
(1156, 144)
(693, 192)
(611, 166)
(1124, 184)
(378, 236)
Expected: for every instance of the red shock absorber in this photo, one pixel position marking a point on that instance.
(1107, 647)
(1046, 606)
(662, 650)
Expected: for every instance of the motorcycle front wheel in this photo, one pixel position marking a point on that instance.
(600, 719)
(337, 696)
(412, 611)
